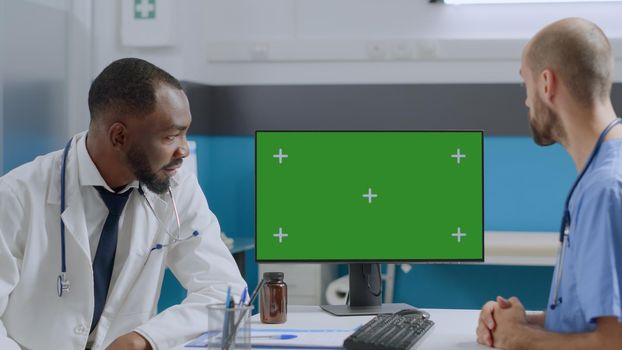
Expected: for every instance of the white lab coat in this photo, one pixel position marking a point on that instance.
(32, 316)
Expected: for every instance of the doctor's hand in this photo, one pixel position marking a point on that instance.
(509, 316)
(130, 341)
(487, 323)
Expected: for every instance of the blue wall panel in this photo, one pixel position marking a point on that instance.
(470, 286)
(525, 185)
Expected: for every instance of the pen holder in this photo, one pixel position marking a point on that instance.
(228, 328)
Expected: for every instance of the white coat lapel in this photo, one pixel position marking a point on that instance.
(73, 217)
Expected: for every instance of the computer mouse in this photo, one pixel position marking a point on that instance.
(424, 314)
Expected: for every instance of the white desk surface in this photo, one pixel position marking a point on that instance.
(453, 329)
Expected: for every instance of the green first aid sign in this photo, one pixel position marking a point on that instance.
(144, 9)
(369, 196)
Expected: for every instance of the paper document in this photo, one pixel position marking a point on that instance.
(328, 338)
(313, 329)
(317, 330)
(300, 338)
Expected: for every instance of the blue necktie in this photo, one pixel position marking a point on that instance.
(106, 249)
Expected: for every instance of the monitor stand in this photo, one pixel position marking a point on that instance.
(365, 294)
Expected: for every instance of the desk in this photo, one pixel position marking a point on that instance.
(453, 329)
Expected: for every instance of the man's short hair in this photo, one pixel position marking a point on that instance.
(579, 53)
(127, 86)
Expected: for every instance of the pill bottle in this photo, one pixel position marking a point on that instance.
(273, 298)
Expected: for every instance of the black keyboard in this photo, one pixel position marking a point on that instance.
(398, 331)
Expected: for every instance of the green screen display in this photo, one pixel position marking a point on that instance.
(369, 196)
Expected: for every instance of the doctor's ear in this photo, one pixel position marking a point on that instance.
(548, 85)
(117, 135)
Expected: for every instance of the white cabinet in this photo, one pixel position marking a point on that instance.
(306, 283)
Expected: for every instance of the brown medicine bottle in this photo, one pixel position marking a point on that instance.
(273, 298)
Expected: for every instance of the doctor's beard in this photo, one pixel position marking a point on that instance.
(545, 125)
(139, 163)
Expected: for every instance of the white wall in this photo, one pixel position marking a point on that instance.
(45, 74)
(333, 41)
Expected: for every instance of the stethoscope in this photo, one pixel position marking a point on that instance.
(564, 231)
(63, 284)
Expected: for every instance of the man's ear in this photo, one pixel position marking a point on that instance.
(117, 135)
(548, 86)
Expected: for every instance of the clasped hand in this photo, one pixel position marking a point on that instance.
(498, 322)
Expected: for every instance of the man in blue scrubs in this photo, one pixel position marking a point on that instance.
(567, 69)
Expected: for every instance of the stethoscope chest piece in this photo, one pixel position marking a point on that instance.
(62, 285)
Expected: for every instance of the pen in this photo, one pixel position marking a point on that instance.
(243, 296)
(225, 324)
(275, 336)
(228, 297)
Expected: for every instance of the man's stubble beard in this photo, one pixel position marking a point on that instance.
(139, 164)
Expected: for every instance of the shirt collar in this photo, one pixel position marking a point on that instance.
(88, 174)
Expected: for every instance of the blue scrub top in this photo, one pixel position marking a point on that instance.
(592, 274)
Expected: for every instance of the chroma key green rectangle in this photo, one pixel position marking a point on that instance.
(369, 196)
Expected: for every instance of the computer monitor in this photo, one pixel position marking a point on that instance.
(368, 197)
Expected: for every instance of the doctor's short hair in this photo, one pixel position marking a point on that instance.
(127, 87)
(579, 52)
